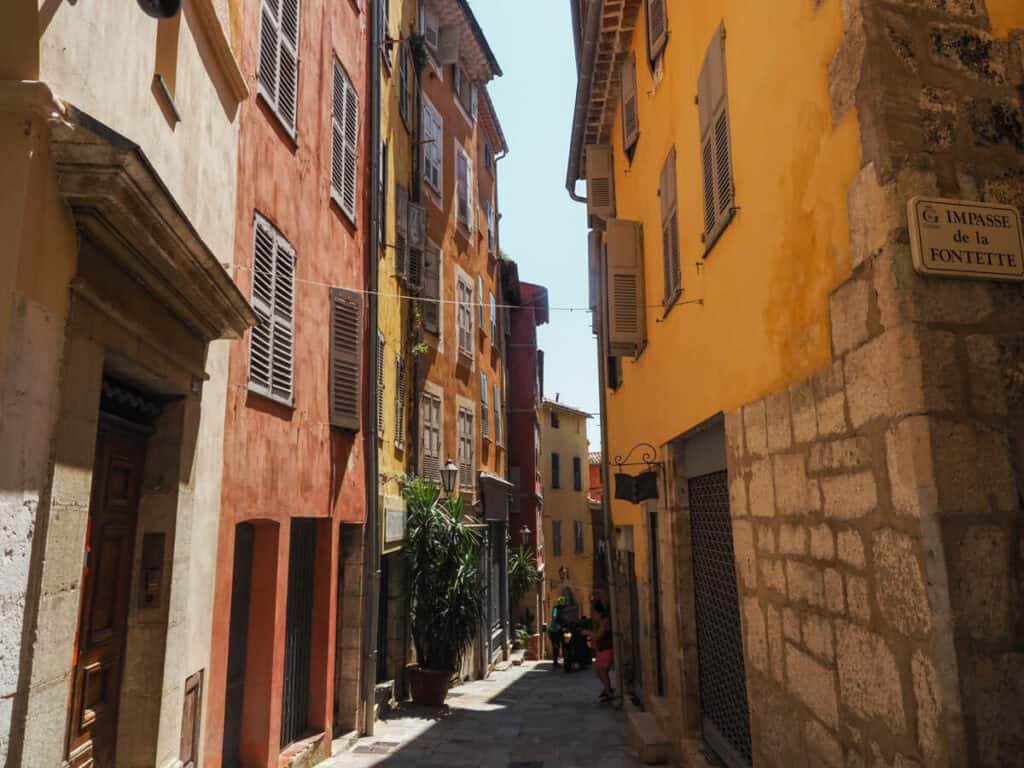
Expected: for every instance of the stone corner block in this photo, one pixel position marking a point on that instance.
(849, 313)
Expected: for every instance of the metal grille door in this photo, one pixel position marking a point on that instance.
(298, 632)
(723, 685)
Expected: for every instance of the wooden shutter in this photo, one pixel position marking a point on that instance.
(283, 357)
(429, 24)
(716, 152)
(594, 279)
(496, 405)
(401, 230)
(417, 242)
(261, 336)
(399, 403)
(556, 480)
(380, 385)
(288, 67)
(351, 150)
(431, 309)
(403, 83)
(484, 407)
(670, 228)
(346, 359)
(431, 437)
(462, 187)
(480, 301)
(627, 330)
(338, 136)
(630, 118)
(448, 41)
(191, 719)
(600, 181)
(657, 27)
(270, 45)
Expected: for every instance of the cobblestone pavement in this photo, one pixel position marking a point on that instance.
(529, 716)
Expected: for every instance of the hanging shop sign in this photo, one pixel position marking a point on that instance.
(964, 239)
(640, 487)
(392, 524)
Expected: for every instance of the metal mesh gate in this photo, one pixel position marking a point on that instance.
(298, 632)
(723, 685)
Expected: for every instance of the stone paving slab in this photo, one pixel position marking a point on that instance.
(528, 716)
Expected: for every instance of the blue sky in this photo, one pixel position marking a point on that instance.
(541, 227)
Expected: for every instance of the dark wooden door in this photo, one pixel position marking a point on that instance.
(238, 642)
(99, 646)
(298, 632)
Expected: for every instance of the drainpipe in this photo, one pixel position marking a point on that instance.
(583, 83)
(372, 551)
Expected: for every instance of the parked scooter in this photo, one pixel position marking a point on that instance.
(576, 649)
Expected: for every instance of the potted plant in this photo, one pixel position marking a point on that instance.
(441, 554)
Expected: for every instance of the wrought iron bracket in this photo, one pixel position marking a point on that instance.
(647, 457)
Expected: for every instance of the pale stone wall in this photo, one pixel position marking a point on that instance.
(876, 505)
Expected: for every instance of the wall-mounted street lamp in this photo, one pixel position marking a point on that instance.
(524, 534)
(449, 475)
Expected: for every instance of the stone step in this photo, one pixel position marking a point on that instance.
(517, 657)
(648, 739)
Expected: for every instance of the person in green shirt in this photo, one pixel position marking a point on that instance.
(555, 628)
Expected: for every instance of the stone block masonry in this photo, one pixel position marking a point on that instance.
(884, 491)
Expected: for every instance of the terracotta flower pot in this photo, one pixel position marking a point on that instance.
(428, 687)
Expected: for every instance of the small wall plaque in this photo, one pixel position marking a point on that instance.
(960, 238)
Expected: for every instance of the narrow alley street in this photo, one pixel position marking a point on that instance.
(527, 716)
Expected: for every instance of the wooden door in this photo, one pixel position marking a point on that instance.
(238, 642)
(99, 645)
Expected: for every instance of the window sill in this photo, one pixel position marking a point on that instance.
(716, 234)
(336, 204)
(264, 395)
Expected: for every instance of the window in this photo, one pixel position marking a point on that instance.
(433, 147)
(385, 25)
(463, 185)
(488, 155)
(554, 420)
(399, 403)
(480, 302)
(614, 372)
(380, 385)
(657, 28)
(430, 27)
(464, 316)
(272, 341)
(345, 372)
(496, 405)
(485, 424)
(556, 480)
(494, 319)
(489, 212)
(577, 537)
(382, 192)
(403, 85)
(278, 70)
(670, 231)
(715, 151)
(432, 311)
(577, 474)
(467, 440)
(344, 143)
(465, 91)
(630, 117)
(556, 537)
(431, 448)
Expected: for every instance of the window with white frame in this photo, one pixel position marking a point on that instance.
(485, 416)
(463, 185)
(489, 212)
(344, 143)
(467, 441)
(272, 340)
(278, 70)
(433, 147)
(431, 437)
(494, 319)
(480, 302)
(464, 315)
(430, 26)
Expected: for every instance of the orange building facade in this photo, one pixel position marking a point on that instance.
(286, 648)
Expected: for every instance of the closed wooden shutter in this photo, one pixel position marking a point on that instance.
(556, 479)
(600, 181)
(496, 405)
(417, 242)
(485, 423)
(399, 403)
(630, 117)
(403, 83)
(657, 27)
(346, 359)
(344, 143)
(627, 330)
(433, 148)
(284, 322)
(670, 229)
(431, 309)
(480, 302)
(278, 73)
(401, 230)
(594, 247)
(260, 337)
(380, 385)
(431, 438)
(715, 146)
(351, 150)
(467, 442)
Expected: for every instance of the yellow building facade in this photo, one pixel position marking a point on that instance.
(765, 345)
(568, 532)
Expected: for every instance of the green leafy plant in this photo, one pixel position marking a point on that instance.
(522, 573)
(441, 552)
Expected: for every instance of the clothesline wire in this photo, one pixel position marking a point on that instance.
(474, 304)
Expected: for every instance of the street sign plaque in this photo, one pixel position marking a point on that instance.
(965, 239)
